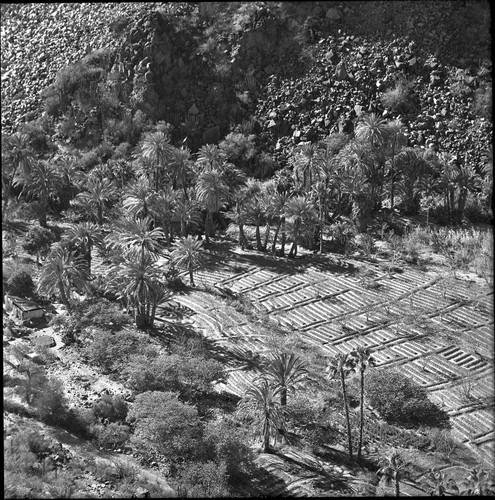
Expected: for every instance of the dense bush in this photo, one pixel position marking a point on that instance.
(38, 241)
(110, 350)
(401, 401)
(165, 424)
(203, 480)
(111, 408)
(401, 99)
(20, 284)
(111, 436)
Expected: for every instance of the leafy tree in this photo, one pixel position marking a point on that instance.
(20, 284)
(401, 401)
(341, 366)
(188, 254)
(38, 241)
(17, 157)
(98, 194)
(114, 409)
(363, 360)
(41, 184)
(63, 271)
(203, 480)
(260, 404)
(166, 424)
(287, 371)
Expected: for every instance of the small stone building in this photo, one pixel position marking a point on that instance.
(23, 308)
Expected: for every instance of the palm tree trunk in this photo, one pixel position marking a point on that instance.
(258, 236)
(183, 228)
(361, 417)
(267, 235)
(100, 214)
(266, 436)
(7, 194)
(392, 177)
(284, 238)
(283, 396)
(397, 486)
(42, 214)
(63, 294)
(275, 236)
(191, 277)
(347, 417)
(321, 224)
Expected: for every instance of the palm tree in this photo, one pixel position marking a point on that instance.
(134, 236)
(187, 212)
(41, 184)
(188, 254)
(372, 129)
(286, 371)
(180, 167)
(210, 157)
(212, 193)
(62, 271)
(17, 155)
(341, 366)
(137, 198)
(85, 235)
(254, 208)
(393, 471)
(98, 193)
(275, 209)
(396, 140)
(163, 207)
(363, 360)
(137, 283)
(71, 176)
(301, 215)
(157, 149)
(413, 167)
(304, 164)
(261, 404)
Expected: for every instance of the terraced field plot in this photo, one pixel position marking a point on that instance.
(433, 328)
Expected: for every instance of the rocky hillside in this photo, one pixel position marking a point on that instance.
(294, 71)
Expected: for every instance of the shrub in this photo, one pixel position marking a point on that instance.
(401, 99)
(112, 408)
(165, 424)
(203, 480)
(20, 284)
(38, 241)
(401, 401)
(443, 442)
(112, 436)
(50, 403)
(110, 350)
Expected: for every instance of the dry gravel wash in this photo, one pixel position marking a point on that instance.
(434, 328)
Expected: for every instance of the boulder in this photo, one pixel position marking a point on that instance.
(333, 14)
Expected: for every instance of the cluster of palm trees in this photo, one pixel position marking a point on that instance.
(265, 401)
(341, 366)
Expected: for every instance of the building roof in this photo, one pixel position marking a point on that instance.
(24, 304)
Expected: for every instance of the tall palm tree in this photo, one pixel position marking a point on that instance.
(304, 165)
(261, 404)
(71, 176)
(393, 471)
(286, 371)
(62, 271)
(396, 141)
(341, 366)
(85, 235)
(97, 195)
(163, 208)
(371, 128)
(188, 254)
(255, 212)
(137, 198)
(180, 167)
(157, 148)
(412, 167)
(301, 215)
(137, 283)
(363, 360)
(17, 157)
(211, 192)
(275, 210)
(187, 212)
(41, 185)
